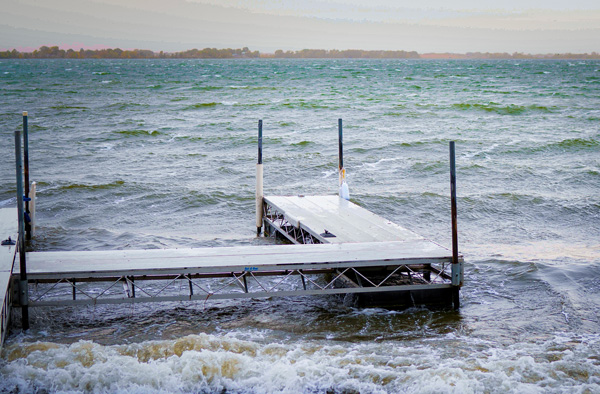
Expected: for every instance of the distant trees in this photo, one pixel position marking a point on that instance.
(345, 54)
(214, 53)
(54, 52)
(519, 55)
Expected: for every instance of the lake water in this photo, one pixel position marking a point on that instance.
(161, 154)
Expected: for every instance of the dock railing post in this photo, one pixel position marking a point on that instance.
(457, 276)
(23, 291)
(259, 182)
(26, 172)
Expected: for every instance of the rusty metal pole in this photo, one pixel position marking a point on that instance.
(344, 193)
(340, 149)
(23, 291)
(456, 264)
(259, 183)
(27, 197)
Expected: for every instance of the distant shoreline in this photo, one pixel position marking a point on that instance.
(45, 52)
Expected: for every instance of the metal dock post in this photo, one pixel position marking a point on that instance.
(27, 196)
(340, 151)
(344, 193)
(259, 182)
(23, 291)
(456, 264)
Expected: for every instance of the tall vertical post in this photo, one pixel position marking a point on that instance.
(340, 152)
(259, 182)
(456, 264)
(344, 192)
(23, 292)
(26, 171)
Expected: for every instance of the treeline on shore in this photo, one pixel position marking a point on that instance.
(345, 54)
(515, 55)
(55, 52)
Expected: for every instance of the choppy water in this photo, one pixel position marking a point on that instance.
(157, 154)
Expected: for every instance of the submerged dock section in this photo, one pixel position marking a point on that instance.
(423, 278)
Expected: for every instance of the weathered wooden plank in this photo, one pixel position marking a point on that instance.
(316, 220)
(225, 259)
(364, 223)
(366, 220)
(346, 227)
(346, 220)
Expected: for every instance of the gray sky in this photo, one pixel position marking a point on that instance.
(430, 26)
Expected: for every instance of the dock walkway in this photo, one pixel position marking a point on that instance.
(330, 219)
(8, 228)
(363, 253)
(222, 272)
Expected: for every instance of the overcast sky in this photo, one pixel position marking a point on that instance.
(430, 26)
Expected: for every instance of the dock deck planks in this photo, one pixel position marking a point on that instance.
(8, 228)
(54, 265)
(346, 220)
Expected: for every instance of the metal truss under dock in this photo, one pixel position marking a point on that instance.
(227, 272)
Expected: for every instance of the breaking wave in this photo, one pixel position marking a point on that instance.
(209, 363)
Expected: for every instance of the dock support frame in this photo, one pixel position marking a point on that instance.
(147, 287)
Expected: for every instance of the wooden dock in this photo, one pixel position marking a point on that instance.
(338, 248)
(390, 259)
(222, 273)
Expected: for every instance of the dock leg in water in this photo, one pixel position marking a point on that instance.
(456, 264)
(259, 183)
(23, 291)
(456, 298)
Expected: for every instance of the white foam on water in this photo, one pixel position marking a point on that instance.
(211, 363)
(540, 250)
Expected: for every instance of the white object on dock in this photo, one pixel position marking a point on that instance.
(344, 192)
